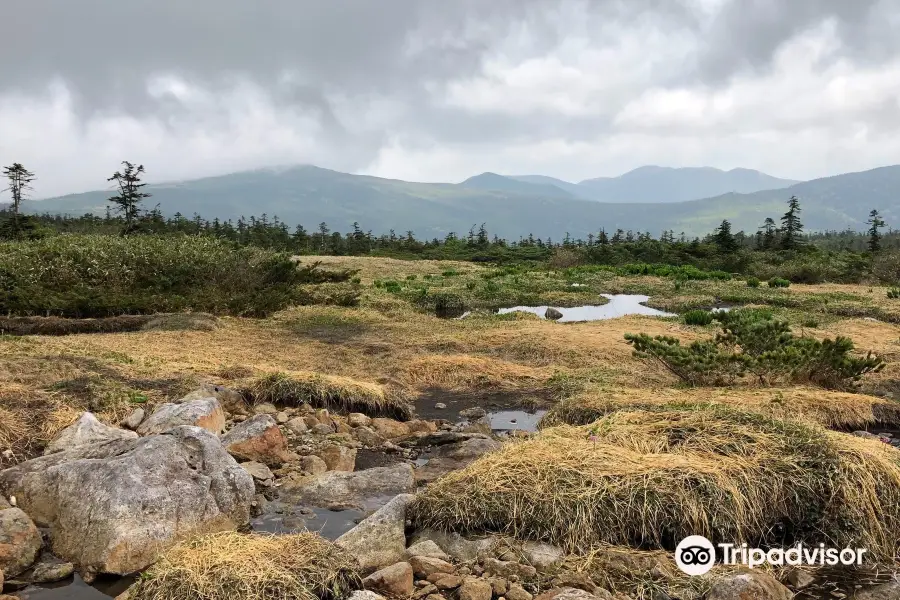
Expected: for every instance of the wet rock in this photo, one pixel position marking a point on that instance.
(395, 581)
(20, 541)
(552, 314)
(423, 566)
(380, 539)
(475, 589)
(258, 471)
(428, 549)
(440, 406)
(474, 413)
(312, 465)
(206, 413)
(113, 507)
(87, 430)
(517, 592)
(338, 489)
(258, 439)
(390, 429)
(542, 556)
(51, 572)
(358, 420)
(444, 438)
(455, 545)
(339, 458)
(297, 426)
(134, 420)
(749, 585)
(265, 408)
(365, 595)
(508, 568)
(367, 437)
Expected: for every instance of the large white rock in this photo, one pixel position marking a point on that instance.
(379, 540)
(113, 507)
(201, 412)
(87, 430)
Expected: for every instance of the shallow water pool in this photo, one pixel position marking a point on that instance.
(619, 305)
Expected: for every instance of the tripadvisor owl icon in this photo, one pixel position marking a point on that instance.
(695, 555)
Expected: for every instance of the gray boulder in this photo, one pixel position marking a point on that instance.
(20, 542)
(428, 549)
(87, 430)
(454, 456)
(201, 412)
(379, 540)
(552, 314)
(459, 548)
(113, 507)
(342, 490)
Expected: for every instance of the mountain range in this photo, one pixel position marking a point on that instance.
(514, 206)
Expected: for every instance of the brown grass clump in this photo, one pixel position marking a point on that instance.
(229, 565)
(182, 322)
(62, 326)
(647, 479)
(328, 391)
(835, 410)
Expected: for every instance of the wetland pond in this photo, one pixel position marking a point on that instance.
(619, 305)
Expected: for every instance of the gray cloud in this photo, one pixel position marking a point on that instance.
(435, 89)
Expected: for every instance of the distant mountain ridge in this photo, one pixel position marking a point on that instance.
(665, 184)
(310, 195)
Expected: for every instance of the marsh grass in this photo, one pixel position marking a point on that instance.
(646, 479)
(328, 391)
(299, 566)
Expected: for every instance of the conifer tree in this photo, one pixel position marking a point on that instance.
(875, 222)
(791, 227)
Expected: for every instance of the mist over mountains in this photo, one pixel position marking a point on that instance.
(654, 199)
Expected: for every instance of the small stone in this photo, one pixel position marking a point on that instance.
(322, 429)
(420, 426)
(297, 426)
(367, 437)
(134, 420)
(258, 471)
(389, 428)
(445, 582)
(435, 597)
(358, 420)
(266, 408)
(509, 569)
(20, 541)
(365, 595)
(748, 584)
(339, 458)
(423, 566)
(312, 465)
(517, 592)
(47, 572)
(542, 556)
(799, 579)
(281, 417)
(475, 589)
(499, 585)
(552, 314)
(323, 416)
(425, 589)
(394, 581)
(257, 439)
(429, 549)
(440, 406)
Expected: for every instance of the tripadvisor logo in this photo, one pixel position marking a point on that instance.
(696, 555)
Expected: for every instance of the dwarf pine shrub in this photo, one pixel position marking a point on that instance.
(752, 282)
(778, 282)
(754, 343)
(698, 317)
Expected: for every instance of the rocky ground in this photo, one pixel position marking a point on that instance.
(109, 500)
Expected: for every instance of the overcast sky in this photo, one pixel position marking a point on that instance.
(438, 90)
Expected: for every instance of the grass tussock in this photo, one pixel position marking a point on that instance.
(647, 479)
(119, 324)
(831, 409)
(230, 565)
(328, 391)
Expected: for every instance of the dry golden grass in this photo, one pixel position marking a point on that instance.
(391, 268)
(836, 410)
(650, 478)
(328, 391)
(230, 565)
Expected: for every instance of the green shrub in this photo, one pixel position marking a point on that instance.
(752, 282)
(698, 317)
(410, 277)
(470, 285)
(443, 304)
(450, 273)
(777, 282)
(811, 323)
(100, 276)
(893, 293)
(755, 343)
(392, 287)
